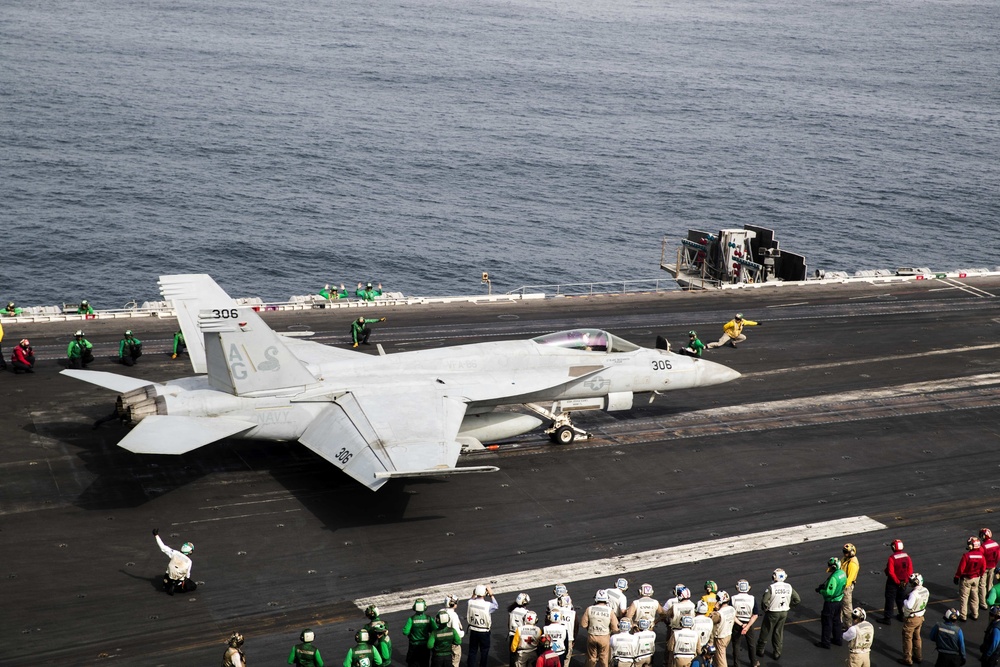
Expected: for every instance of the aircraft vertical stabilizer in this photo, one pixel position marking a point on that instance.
(244, 356)
(191, 294)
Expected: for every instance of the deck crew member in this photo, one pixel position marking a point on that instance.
(706, 658)
(363, 653)
(564, 604)
(949, 640)
(234, 655)
(548, 656)
(970, 570)
(515, 618)
(913, 619)
(12, 309)
(851, 567)
(381, 641)
(747, 612)
(179, 344)
(558, 634)
(624, 645)
(599, 622)
(710, 597)
(616, 597)
(22, 359)
(685, 643)
(80, 351)
(646, 638)
(859, 637)
(360, 331)
(368, 293)
(479, 616)
(524, 643)
(732, 331)
(991, 553)
(645, 606)
(178, 574)
(703, 624)
(443, 640)
(832, 591)
(990, 648)
(417, 629)
(897, 572)
(85, 308)
(724, 616)
(451, 607)
(305, 654)
(776, 601)
(129, 349)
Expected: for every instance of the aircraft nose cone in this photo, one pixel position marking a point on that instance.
(710, 373)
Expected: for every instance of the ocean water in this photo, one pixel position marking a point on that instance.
(281, 146)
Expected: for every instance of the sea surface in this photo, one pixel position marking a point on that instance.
(282, 145)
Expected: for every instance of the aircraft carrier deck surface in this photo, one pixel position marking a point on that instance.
(876, 401)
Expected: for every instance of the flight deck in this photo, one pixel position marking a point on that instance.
(864, 413)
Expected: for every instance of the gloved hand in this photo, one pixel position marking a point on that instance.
(156, 531)
(956, 581)
(381, 319)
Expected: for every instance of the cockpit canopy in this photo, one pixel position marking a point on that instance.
(594, 340)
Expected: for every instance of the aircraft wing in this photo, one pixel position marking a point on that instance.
(311, 352)
(119, 383)
(375, 435)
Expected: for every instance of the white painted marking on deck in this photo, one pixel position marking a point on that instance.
(609, 568)
(873, 360)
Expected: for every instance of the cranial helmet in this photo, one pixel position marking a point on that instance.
(187, 548)
(564, 601)
(24, 342)
(624, 625)
(646, 590)
(601, 596)
(622, 584)
(530, 618)
(685, 593)
(307, 635)
(701, 607)
(559, 589)
(917, 579)
(479, 591)
(896, 545)
(644, 624)
(236, 640)
(79, 332)
(361, 636)
(951, 615)
(723, 597)
(419, 605)
(555, 616)
(378, 627)
(778, 574)
(128, 332)
(371, 611)
(995, 611)
(743, 586)
(985, 534)
(711, 586)
(850, 550)
(859, 613)
(451, 600)
(678, 588)
(833, 564)
(693, 333)
(739, 316)
(444, 618)
(522, 599)
(708, 649)
(687, 622)
(973, 543)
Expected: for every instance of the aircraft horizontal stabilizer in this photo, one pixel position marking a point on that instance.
(163, 434)
(434, 473)
(119, 383)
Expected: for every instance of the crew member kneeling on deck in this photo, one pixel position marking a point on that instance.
(360, 331)
(130, 349)
(80, 351)
(178, 575)
(23, 357)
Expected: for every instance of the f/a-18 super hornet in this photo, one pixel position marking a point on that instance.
(379, 416)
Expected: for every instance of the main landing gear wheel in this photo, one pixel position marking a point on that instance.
(564, 435)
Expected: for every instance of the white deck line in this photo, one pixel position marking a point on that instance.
(610, 568)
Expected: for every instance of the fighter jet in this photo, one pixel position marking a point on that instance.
(382, 416)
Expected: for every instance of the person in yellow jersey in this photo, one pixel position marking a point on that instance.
(851, 566)
(732, 331)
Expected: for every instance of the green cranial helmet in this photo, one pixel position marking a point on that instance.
(361, 636)
(419, 605)
(371, 611)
